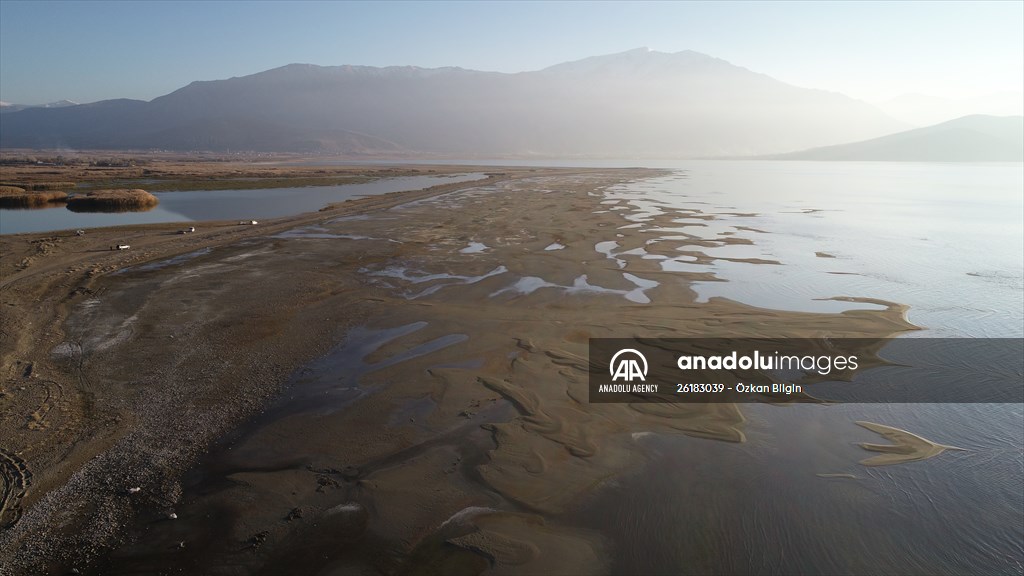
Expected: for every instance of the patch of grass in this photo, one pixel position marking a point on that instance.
(39, 185)
(16, 197)
(120, 200)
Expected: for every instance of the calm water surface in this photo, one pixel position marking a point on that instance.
(947, 240)
(196, 205)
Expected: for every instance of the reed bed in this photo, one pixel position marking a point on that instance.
(40, 186)
(17, 197)
(120, 200)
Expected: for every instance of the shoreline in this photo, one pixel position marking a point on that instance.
(161, 363)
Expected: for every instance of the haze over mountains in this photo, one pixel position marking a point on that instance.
(639, 103)
(922, 110)
(976, 138)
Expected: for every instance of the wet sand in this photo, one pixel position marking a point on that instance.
(398, 384)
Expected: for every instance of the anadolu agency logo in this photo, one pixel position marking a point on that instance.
(626, 364)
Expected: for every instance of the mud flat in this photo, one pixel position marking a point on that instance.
(394, 384)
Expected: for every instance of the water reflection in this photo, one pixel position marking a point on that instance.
(108, 209)
(39, 206)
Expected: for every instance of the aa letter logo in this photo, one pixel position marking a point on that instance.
(626, 364)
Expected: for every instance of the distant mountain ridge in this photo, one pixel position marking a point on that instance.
(921, 110)
(9, 107)
(976, 138)
(638, 103)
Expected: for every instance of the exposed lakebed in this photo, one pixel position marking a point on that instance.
(448, 429)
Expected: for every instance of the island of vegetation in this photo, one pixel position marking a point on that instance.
(118, 200)
(19, 197)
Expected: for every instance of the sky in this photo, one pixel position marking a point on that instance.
(87, 51)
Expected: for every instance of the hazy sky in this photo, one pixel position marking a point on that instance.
(87, 51)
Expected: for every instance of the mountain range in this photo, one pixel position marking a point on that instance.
(8, 107)
(922, 110)
(639, 103)
(976, 138)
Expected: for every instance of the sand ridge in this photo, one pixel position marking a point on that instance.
(905, 447)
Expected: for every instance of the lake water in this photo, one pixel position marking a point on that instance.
(947, 239)
(196, 205)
